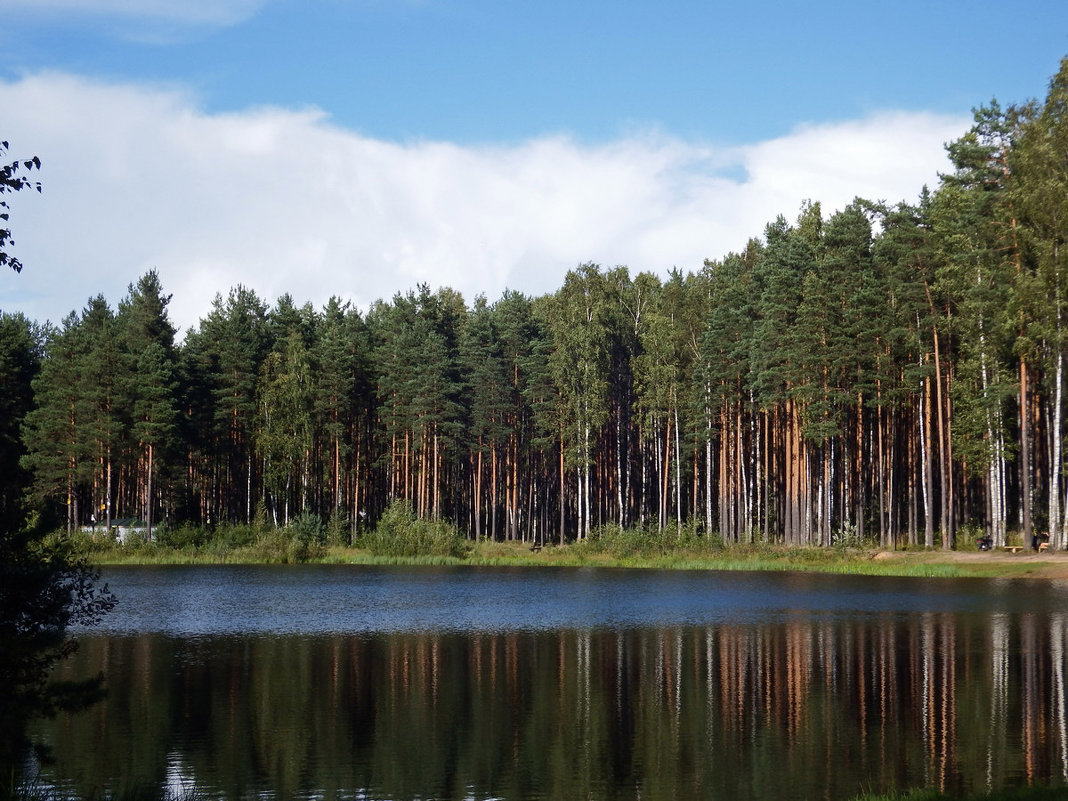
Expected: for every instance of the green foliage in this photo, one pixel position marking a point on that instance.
(182, 536)
(302, 540)
(307, 536)
(338, 529)
(849, 537)
(20, 361)
(12, 180)
(401, 533)
(284, 422)
(45, 588)
(628, 543)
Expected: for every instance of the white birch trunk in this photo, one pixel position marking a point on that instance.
(924, 478)
(996, 470)
(1056, 529)
(708, 460)
(619, 471)
(678, 476)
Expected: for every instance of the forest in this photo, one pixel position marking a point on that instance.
(886, 373)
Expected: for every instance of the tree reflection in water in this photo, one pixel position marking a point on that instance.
(805, 709)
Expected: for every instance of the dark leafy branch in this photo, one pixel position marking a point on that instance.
(13, 179)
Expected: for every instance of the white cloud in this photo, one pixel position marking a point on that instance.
(280, 200)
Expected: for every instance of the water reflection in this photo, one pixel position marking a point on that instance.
(797, 709)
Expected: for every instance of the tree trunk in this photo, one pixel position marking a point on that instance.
(148, 494)
(1056, 530)
(928, 466)
(665, 473)
(621, 516)
(884, 539)
(708, 463)
(1025, 456)
(562, 485)
(478, 492)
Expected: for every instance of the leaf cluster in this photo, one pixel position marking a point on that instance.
(12, 180)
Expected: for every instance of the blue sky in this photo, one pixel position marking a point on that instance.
(356, 147)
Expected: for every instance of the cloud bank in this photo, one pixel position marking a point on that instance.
(280, 200)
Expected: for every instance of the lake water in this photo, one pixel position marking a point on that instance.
(470, 683)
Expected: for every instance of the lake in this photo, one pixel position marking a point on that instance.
(485, 683)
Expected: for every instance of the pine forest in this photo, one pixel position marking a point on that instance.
(886, 373)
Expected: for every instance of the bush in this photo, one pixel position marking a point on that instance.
(306, 537)
(300, 540)
(648, 541)
(847, 537)
(237, 536)
(401, 533)
(968, 536)
(183, 536)
(338, 530)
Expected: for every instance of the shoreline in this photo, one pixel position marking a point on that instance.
(859, 561)
(1030, 564)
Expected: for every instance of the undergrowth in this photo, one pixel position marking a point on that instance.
(403, 538)
(400, 533)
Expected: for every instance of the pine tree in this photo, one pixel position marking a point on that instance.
(778, 360)
(151, 384)
(55, 453)
(979, 257)
(103, 407)
(1039, 166)
(241, 342)
(341, 356)
(487, 385)
(721, 389)
(154, 417)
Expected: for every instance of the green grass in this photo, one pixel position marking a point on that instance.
(403, 539)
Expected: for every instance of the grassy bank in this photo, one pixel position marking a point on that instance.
(402, 538)
(280, 546)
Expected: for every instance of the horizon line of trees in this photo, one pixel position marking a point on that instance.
(887, 372)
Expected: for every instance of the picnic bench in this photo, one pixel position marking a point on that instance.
(1012, 548)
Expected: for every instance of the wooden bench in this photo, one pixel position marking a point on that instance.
(535, 547)
(1012, 548)
(1043, 546)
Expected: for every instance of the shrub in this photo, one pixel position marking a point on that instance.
(847, 537)
(237, 536)
(183, 536)
(306, 537)
(338, 530)
(648, 541)
(300, 540)
(401, 533)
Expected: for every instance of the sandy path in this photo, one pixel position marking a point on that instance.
(1040, 565)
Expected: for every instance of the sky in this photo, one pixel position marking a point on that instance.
(359, 148)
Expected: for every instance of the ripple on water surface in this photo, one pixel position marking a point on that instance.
(321, 599)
